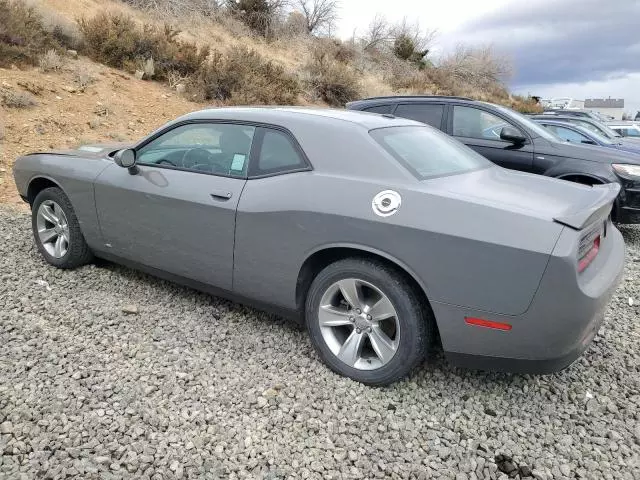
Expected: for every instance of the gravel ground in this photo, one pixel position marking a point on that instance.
(186, 386)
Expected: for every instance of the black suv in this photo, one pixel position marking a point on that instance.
(512, 140)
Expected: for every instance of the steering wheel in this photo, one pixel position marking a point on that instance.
(164, 161)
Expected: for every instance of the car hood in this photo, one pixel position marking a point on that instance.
(568, 203)
(96, 150)
(590, 153)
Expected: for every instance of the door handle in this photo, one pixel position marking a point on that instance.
(221, 195)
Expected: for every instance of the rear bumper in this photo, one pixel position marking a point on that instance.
(564, 316)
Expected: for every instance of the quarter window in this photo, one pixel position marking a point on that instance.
(475, 123)
(276, 154)
(218, 148)
(379, 109)
(431, 114)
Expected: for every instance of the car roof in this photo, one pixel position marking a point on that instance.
(286, 116)
(559, 118)
(408, 99)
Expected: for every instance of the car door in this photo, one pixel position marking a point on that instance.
(480, 129)
(429, 113)
(267, 232)
(175, 211)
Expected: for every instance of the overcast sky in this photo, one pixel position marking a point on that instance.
(579, 48)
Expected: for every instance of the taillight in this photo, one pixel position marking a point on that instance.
(591, 253)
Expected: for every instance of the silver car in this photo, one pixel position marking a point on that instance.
(382, 235)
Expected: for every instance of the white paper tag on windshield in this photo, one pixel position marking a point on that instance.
(237, 163)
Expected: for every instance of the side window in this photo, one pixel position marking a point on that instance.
(276, 154)
(569, 135)
(431, 114)
(631, 132)
(218, 148)
(379, 109)
(475, 123)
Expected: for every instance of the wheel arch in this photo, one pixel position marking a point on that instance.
(39, 183)
(323, 256)
(583, 178)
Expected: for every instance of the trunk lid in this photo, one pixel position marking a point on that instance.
(567, 203)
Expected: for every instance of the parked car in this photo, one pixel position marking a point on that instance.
(380, 234)
(626, 129)
(578, 112)
(593, 125)
(580, 135)
(521, 144)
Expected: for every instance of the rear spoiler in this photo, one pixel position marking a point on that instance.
(604, 196)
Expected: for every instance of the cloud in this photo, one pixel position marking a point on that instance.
(568, 41)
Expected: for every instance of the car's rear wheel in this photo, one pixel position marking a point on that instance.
(57, 231)
(366, 321)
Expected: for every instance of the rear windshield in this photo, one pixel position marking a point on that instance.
(427, 152)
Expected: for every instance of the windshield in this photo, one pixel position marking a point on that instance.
(530, 124)
(596, 127)
(427, 152)
(600, 138)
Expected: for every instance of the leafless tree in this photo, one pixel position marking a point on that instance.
(378, 33)
(477, 66)
(320, 15)
(421, 39)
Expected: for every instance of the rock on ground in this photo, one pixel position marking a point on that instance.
(197, 387)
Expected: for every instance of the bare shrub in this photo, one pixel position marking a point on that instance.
(476, 67)
(82, 78)
(243, 77)
(320, 15)
(65, 31)
(259, 15)
(178, 7)
(117, 40)
(13, 99)
(377, 35)
(23, 36)
(149, 68)
(51, 61)
(331, 80)
(175, 78)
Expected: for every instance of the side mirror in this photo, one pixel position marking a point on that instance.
(589, 142)
(513, 135)
(125, 158)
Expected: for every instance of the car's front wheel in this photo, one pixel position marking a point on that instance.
(367, 322)
(57, 231)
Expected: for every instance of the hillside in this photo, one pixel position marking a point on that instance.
(70, 71)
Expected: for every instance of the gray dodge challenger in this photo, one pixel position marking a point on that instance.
(383, 236)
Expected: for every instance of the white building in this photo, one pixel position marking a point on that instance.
(613, 107)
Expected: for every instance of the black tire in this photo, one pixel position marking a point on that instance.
(78, 252)
(415, 319)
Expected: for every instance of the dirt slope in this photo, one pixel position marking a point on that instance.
(115, 107)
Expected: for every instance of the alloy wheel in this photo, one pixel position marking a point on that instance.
(53, 229)
(359, 324)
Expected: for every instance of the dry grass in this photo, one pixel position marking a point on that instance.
(330, 79)
(12, 99)
(25, 34)
(51, 61)
(2, 130)
(279, 65)
(82, 78)
(242, 76)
